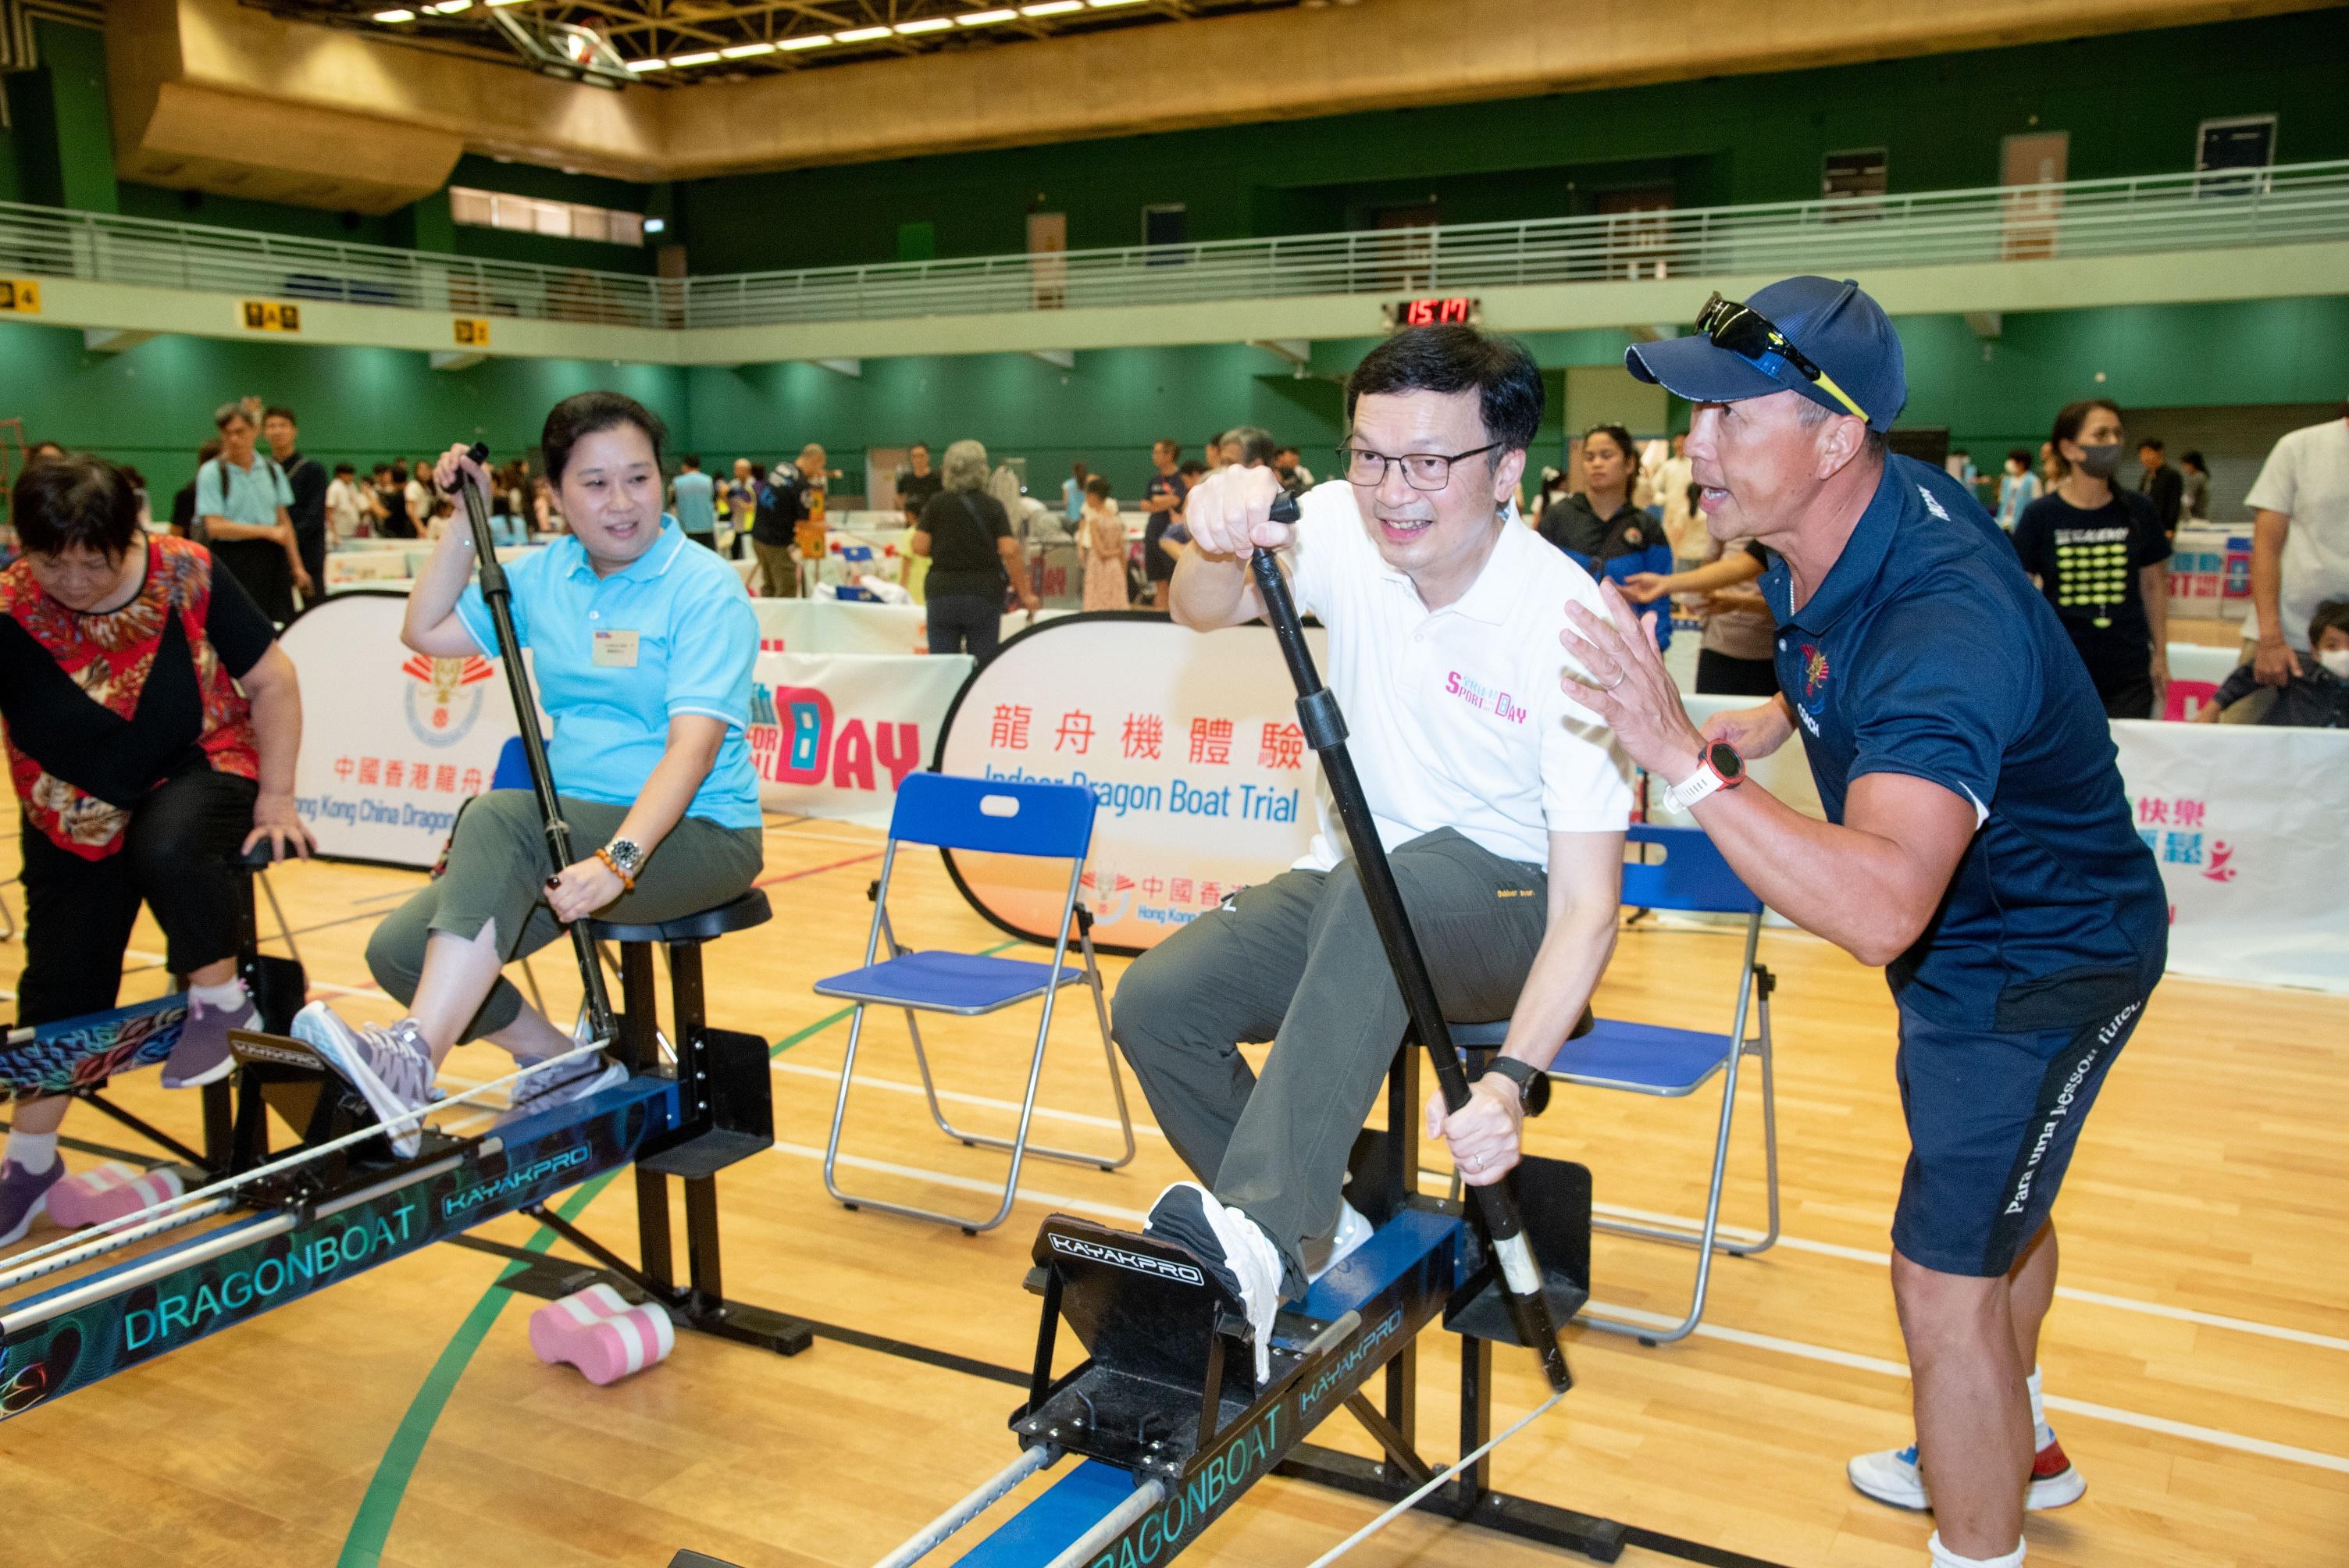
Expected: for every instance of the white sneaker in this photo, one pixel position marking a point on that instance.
(1234, 1248)
(1893, 1477)
(1353, 1231)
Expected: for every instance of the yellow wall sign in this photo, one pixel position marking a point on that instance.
(22, 294)
(472, 332)
(268, 315)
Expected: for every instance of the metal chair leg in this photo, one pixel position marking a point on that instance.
(284, 926)
(1018, 1143)
(1706, 1240)
(988, 1140)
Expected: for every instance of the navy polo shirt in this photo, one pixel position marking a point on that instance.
(1927, 652)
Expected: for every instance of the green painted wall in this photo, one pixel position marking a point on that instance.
(2131, 104)
(60, 148)
(150, 406)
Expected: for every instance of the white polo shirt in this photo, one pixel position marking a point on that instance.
(1456, 717)
(2306, 477)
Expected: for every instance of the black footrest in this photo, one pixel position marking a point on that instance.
(705, 1154)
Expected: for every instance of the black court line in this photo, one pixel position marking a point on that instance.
(1633, 1535)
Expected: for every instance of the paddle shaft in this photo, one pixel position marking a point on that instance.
(499, 597)
(1325, 731)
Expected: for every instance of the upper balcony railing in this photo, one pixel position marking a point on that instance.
(2072, 219)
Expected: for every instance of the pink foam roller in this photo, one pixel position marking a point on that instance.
(110, 1192)
(599, 1333)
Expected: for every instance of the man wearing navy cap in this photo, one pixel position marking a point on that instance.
(1978, 845)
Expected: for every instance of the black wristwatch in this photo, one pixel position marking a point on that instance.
(1523, 1074)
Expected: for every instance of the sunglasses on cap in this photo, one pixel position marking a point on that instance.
(1748, 333)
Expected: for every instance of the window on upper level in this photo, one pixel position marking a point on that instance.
(528, 215)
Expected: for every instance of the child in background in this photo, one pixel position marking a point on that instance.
(1103, 537)
(2316, 698)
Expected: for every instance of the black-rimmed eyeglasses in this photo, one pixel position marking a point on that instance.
(1421, 471)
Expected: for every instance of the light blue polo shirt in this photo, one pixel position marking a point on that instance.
(243, 495)
(695, 636)
(696, 505)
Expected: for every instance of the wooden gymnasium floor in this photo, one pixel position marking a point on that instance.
(2199, 1358)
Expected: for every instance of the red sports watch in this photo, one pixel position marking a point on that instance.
(1718, 767)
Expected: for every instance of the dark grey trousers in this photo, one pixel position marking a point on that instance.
(1297, 962)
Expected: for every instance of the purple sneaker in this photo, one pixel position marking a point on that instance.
(390, 1066)
(23, 1195)
(559, 1086)
(202, 1057)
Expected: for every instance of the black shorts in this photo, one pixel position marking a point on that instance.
(1155, 563)
(1992, 1120)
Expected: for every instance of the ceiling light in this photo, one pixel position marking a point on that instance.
(986, 18)
(1107, 4)
(647, 64)
(698, 57)
(811, 41)
(496, 2)
(450, 7)
(925, 24)
(1052, 8)
(862, 34)
(744, 51)
(395, 15)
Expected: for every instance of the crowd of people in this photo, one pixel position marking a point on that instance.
(2094, 534)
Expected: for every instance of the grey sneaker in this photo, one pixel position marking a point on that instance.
(390, 1066)
(24, 1196)
(201, 1056)
(575, 1080)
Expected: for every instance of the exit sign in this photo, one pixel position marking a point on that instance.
(1435, 310)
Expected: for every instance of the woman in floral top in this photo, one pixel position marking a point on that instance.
(151, 725)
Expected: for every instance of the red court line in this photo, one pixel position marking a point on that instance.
(832, 866)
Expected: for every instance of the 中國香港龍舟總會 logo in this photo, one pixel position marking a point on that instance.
(443, 696)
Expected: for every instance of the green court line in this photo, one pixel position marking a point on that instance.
(371, 1525)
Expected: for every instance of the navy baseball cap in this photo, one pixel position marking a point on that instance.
(1833, 324)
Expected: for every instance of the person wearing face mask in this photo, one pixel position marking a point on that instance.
(152, 723)
(642, 648)
(2316, 698)
(2098, 554)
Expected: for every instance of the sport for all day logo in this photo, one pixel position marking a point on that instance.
(445, 696)
(796, 739)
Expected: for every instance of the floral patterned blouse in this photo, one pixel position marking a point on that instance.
(101, 709)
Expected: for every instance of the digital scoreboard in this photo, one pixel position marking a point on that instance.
(1434, 310)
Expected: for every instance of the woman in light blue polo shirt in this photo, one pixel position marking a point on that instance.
(642, 650)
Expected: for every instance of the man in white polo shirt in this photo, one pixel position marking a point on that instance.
(1502, 803)
(2300, 549)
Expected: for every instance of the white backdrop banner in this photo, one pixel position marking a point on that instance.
(832, 734)
(2250, 824)
(1189, 743)
(392, 741)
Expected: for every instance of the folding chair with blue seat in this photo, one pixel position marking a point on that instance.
(1671, 1063)
(988, 816)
